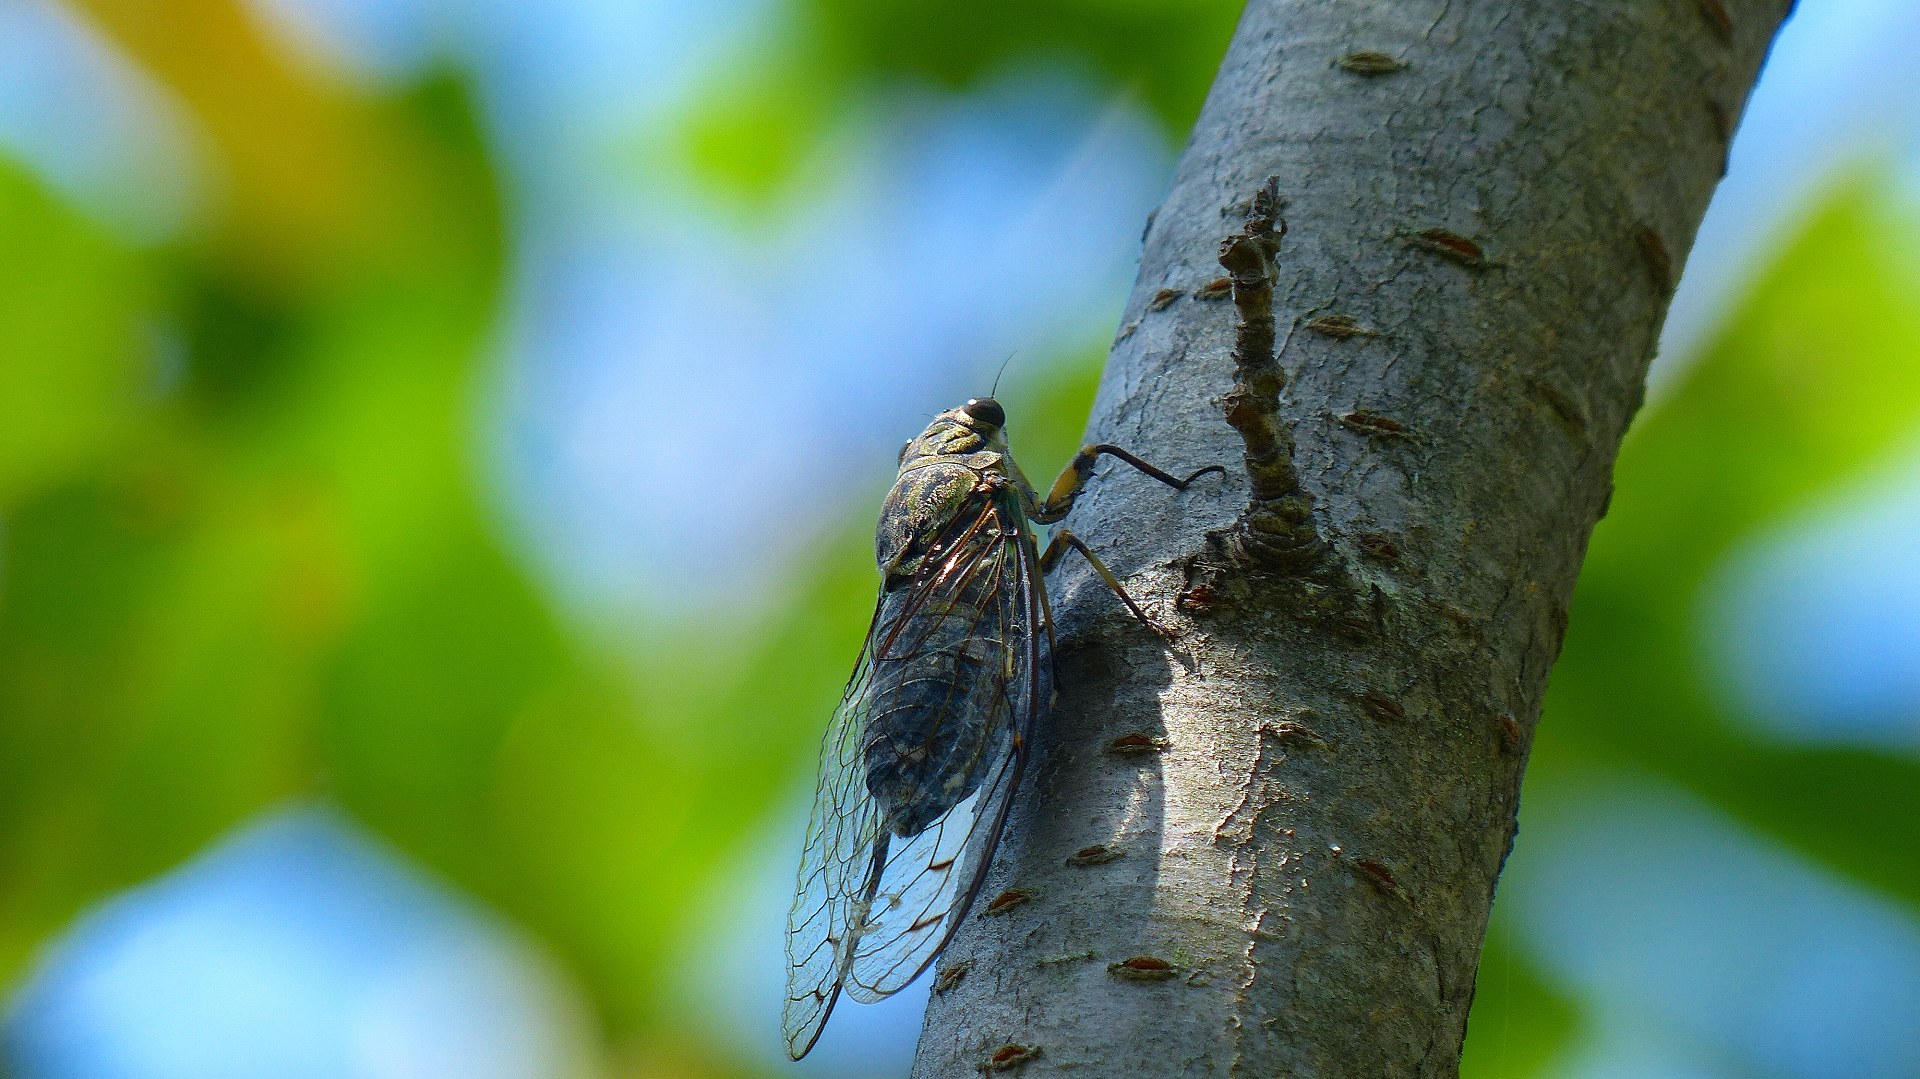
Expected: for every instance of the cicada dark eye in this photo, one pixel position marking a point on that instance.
(987, 411)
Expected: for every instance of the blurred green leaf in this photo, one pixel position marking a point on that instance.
(1162, 51)
(151, 630)
(1811, 385)
(77, 339)
(747, 132)
(1520, 1024)
(174, 595)
(1814, 384)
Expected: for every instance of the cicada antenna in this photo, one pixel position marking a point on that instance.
(995, 391)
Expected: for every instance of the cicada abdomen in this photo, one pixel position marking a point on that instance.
(940, 703)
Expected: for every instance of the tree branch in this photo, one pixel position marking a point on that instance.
(1271, 850)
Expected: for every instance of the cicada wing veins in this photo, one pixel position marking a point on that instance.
(844, 824)
(925, 888)
(875, 906)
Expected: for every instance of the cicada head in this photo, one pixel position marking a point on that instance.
(980, 424)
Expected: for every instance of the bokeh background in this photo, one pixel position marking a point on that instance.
(438, 446)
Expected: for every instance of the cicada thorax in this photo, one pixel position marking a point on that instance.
(938, 723)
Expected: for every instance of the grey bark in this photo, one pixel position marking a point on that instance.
(1271, 848)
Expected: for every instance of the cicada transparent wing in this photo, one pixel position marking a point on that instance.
(918, 765)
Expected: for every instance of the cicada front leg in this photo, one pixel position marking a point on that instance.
(1073, 479)
(1066, 489)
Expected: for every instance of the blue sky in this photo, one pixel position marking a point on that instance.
(298, 948)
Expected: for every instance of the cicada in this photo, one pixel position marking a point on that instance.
(931, 736)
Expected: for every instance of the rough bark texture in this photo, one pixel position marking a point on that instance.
(1271, 849)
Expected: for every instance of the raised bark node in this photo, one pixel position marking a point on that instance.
(1276, 530)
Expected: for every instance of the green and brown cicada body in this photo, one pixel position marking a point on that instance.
(931, 737)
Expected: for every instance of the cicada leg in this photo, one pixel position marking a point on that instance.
(1057, 546)
(1073, 479)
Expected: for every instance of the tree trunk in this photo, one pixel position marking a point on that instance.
(1271, 848)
